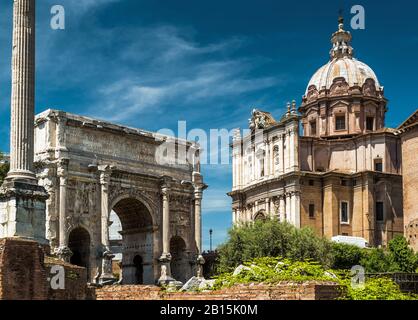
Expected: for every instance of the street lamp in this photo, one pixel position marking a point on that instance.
(210, 237)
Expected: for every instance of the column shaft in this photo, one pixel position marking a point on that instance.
(282, 209)
(23, 91)
(198, 221)
(166, 222)
(62, 212)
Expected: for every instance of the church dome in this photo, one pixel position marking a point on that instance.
(352, 70)
(342, 65)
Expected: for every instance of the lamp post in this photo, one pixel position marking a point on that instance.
(210, 237)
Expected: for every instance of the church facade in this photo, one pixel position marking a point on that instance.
(342, 175)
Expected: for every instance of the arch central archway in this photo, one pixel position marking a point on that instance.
(136, 245)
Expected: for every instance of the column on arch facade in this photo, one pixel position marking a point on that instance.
(165, 258)
(105, 172)
(63, 252)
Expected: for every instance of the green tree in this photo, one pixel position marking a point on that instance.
(4, 168)
(272, 238)
(375, 260)
(401, 256)
(345, 255)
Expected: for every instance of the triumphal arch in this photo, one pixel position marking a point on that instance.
(91, 168)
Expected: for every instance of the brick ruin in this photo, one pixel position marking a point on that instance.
(26, 274)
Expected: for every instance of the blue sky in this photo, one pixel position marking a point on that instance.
(151, 63)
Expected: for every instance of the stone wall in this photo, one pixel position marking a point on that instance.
(75, 285)
(410, 185)
(25, 274)
(22, 272)
(282, 291)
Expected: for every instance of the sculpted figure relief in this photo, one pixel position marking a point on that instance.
(260, 120)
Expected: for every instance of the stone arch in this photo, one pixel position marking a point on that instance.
(260, 216)
(138, 223)
(79, 225)
(144, 199)
(79, 242)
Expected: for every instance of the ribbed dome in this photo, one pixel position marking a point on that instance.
(342, 64)
(354, 72)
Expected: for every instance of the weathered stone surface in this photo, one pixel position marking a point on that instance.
(240, 269)
(22, 201)
(91, 168)
(409, 136)
(192, 284)
(23, 92)
(22, 272)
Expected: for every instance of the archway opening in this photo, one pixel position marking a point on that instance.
(79, 244)
(180, 266)
(139, 269)
(260, 216)
(135, 241)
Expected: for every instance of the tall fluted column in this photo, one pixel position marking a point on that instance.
(107, 256)
(23, 92)
(22, 201)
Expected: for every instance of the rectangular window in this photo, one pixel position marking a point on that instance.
(344, 212)
(379, 212)
(340, 122)
(313, 128)
(311, 183)
(311, 210)
(378, 165)
(369, 123)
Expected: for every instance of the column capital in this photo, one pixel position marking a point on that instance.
(198, 190)
(105, 172)
(62, 170)
(165, 191)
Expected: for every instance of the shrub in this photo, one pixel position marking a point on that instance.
(345, 256)
(273, 270)
(376, 289)
(375, 260)
(399, 258)
(402, 257)
(272, 238)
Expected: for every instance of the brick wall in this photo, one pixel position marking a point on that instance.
(282, 291)
(22, 274)
(25, 274)
(75, 285)
(410, 185)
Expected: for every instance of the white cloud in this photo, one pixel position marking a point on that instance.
(82, 6)
(216, 201)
